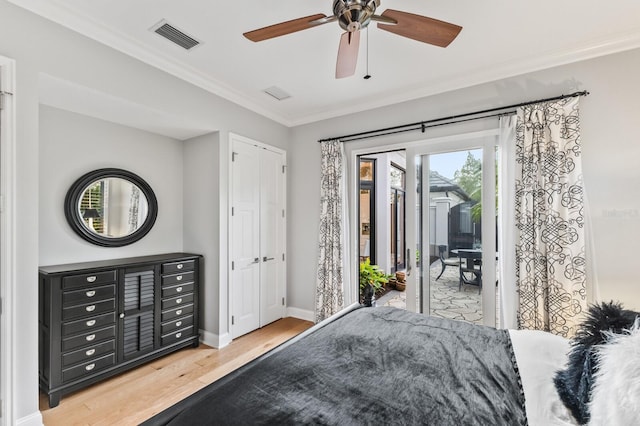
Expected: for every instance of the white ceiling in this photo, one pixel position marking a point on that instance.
(500, 38)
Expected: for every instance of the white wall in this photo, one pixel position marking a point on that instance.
(610, 152)
(72, 145)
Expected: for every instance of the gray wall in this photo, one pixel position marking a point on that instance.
(611, 149)
(72, 145)
(41, 47)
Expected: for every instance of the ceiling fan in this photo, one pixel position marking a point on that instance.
(354, 15)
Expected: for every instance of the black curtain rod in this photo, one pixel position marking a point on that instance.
(423, 125)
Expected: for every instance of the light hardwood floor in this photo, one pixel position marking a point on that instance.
(137, 395)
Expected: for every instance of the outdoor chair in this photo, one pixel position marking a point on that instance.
(470, 268)
(446, 261)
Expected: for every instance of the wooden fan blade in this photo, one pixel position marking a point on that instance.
(421, 28)
(284, 28)
(348, 54)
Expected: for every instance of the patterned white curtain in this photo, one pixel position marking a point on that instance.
(331, 257)
(550, 245)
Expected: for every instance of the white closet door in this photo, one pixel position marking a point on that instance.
(258, 236)
(272, 234)
(245, 239)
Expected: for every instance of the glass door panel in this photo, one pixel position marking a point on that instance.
(453, 230)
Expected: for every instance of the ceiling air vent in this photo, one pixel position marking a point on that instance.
(277, 93)
(174, 35)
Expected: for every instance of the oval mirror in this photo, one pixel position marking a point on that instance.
(111, 207)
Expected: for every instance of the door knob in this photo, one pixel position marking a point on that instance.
(256, 260)
(264, 259)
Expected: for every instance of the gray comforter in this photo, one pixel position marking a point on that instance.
(373, 366)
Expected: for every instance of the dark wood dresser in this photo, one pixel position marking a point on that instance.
(98, 319)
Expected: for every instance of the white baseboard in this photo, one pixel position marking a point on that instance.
(302, 314)
(215, 340)
(34, 419)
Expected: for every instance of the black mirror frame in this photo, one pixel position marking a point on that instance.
(76, 222)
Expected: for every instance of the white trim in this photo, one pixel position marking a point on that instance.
(33, 419)
(8, 279)
(302, 314)
(89, 27)
(217, 341)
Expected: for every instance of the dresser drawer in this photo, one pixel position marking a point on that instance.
(176, 324)
(89, 367)
(81, 280)
(177, 290)
(89, 353)
(176, 336)
(176, 313)
(88, 324)
(184, 278)
(88, 295)
(90, 309)
(177, 301)
(88, 339)
(176, 267)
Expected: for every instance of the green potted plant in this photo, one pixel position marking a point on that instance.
(373, 277)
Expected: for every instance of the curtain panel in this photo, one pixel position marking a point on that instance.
(550, 241)
(330, 278)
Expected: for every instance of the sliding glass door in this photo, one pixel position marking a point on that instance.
(451, 228)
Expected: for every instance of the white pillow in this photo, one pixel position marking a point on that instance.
(615, 396)
(539, 355)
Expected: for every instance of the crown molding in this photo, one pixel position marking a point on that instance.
(56, 12)
(89, 27)
(518, 66)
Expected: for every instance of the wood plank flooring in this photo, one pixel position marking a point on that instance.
(134, 396)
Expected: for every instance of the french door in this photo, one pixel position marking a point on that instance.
(459, 212)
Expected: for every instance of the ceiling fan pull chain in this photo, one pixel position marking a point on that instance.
(367, 75)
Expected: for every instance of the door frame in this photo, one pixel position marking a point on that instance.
(236, 137)
(443, 144)
(7, 242)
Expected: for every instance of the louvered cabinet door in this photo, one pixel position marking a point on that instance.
(137, 313)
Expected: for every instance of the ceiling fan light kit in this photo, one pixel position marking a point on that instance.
(353, 16)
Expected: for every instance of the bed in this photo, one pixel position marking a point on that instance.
(384, 365)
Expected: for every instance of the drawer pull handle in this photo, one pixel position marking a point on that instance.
(91, 323)
(90, 367)
(91, 308)
(179, 290)
(91, 279)
(179, 266)
(178, 335)
(90, 337)
(179, 278)
(179, 300)
(179, 323)
(90, 293)
(90, 352)
(179, 311)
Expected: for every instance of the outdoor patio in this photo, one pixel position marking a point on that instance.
(446, 300)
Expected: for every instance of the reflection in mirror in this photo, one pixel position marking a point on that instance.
(113, 207)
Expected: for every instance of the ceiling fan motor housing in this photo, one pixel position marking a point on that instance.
(354, 15)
